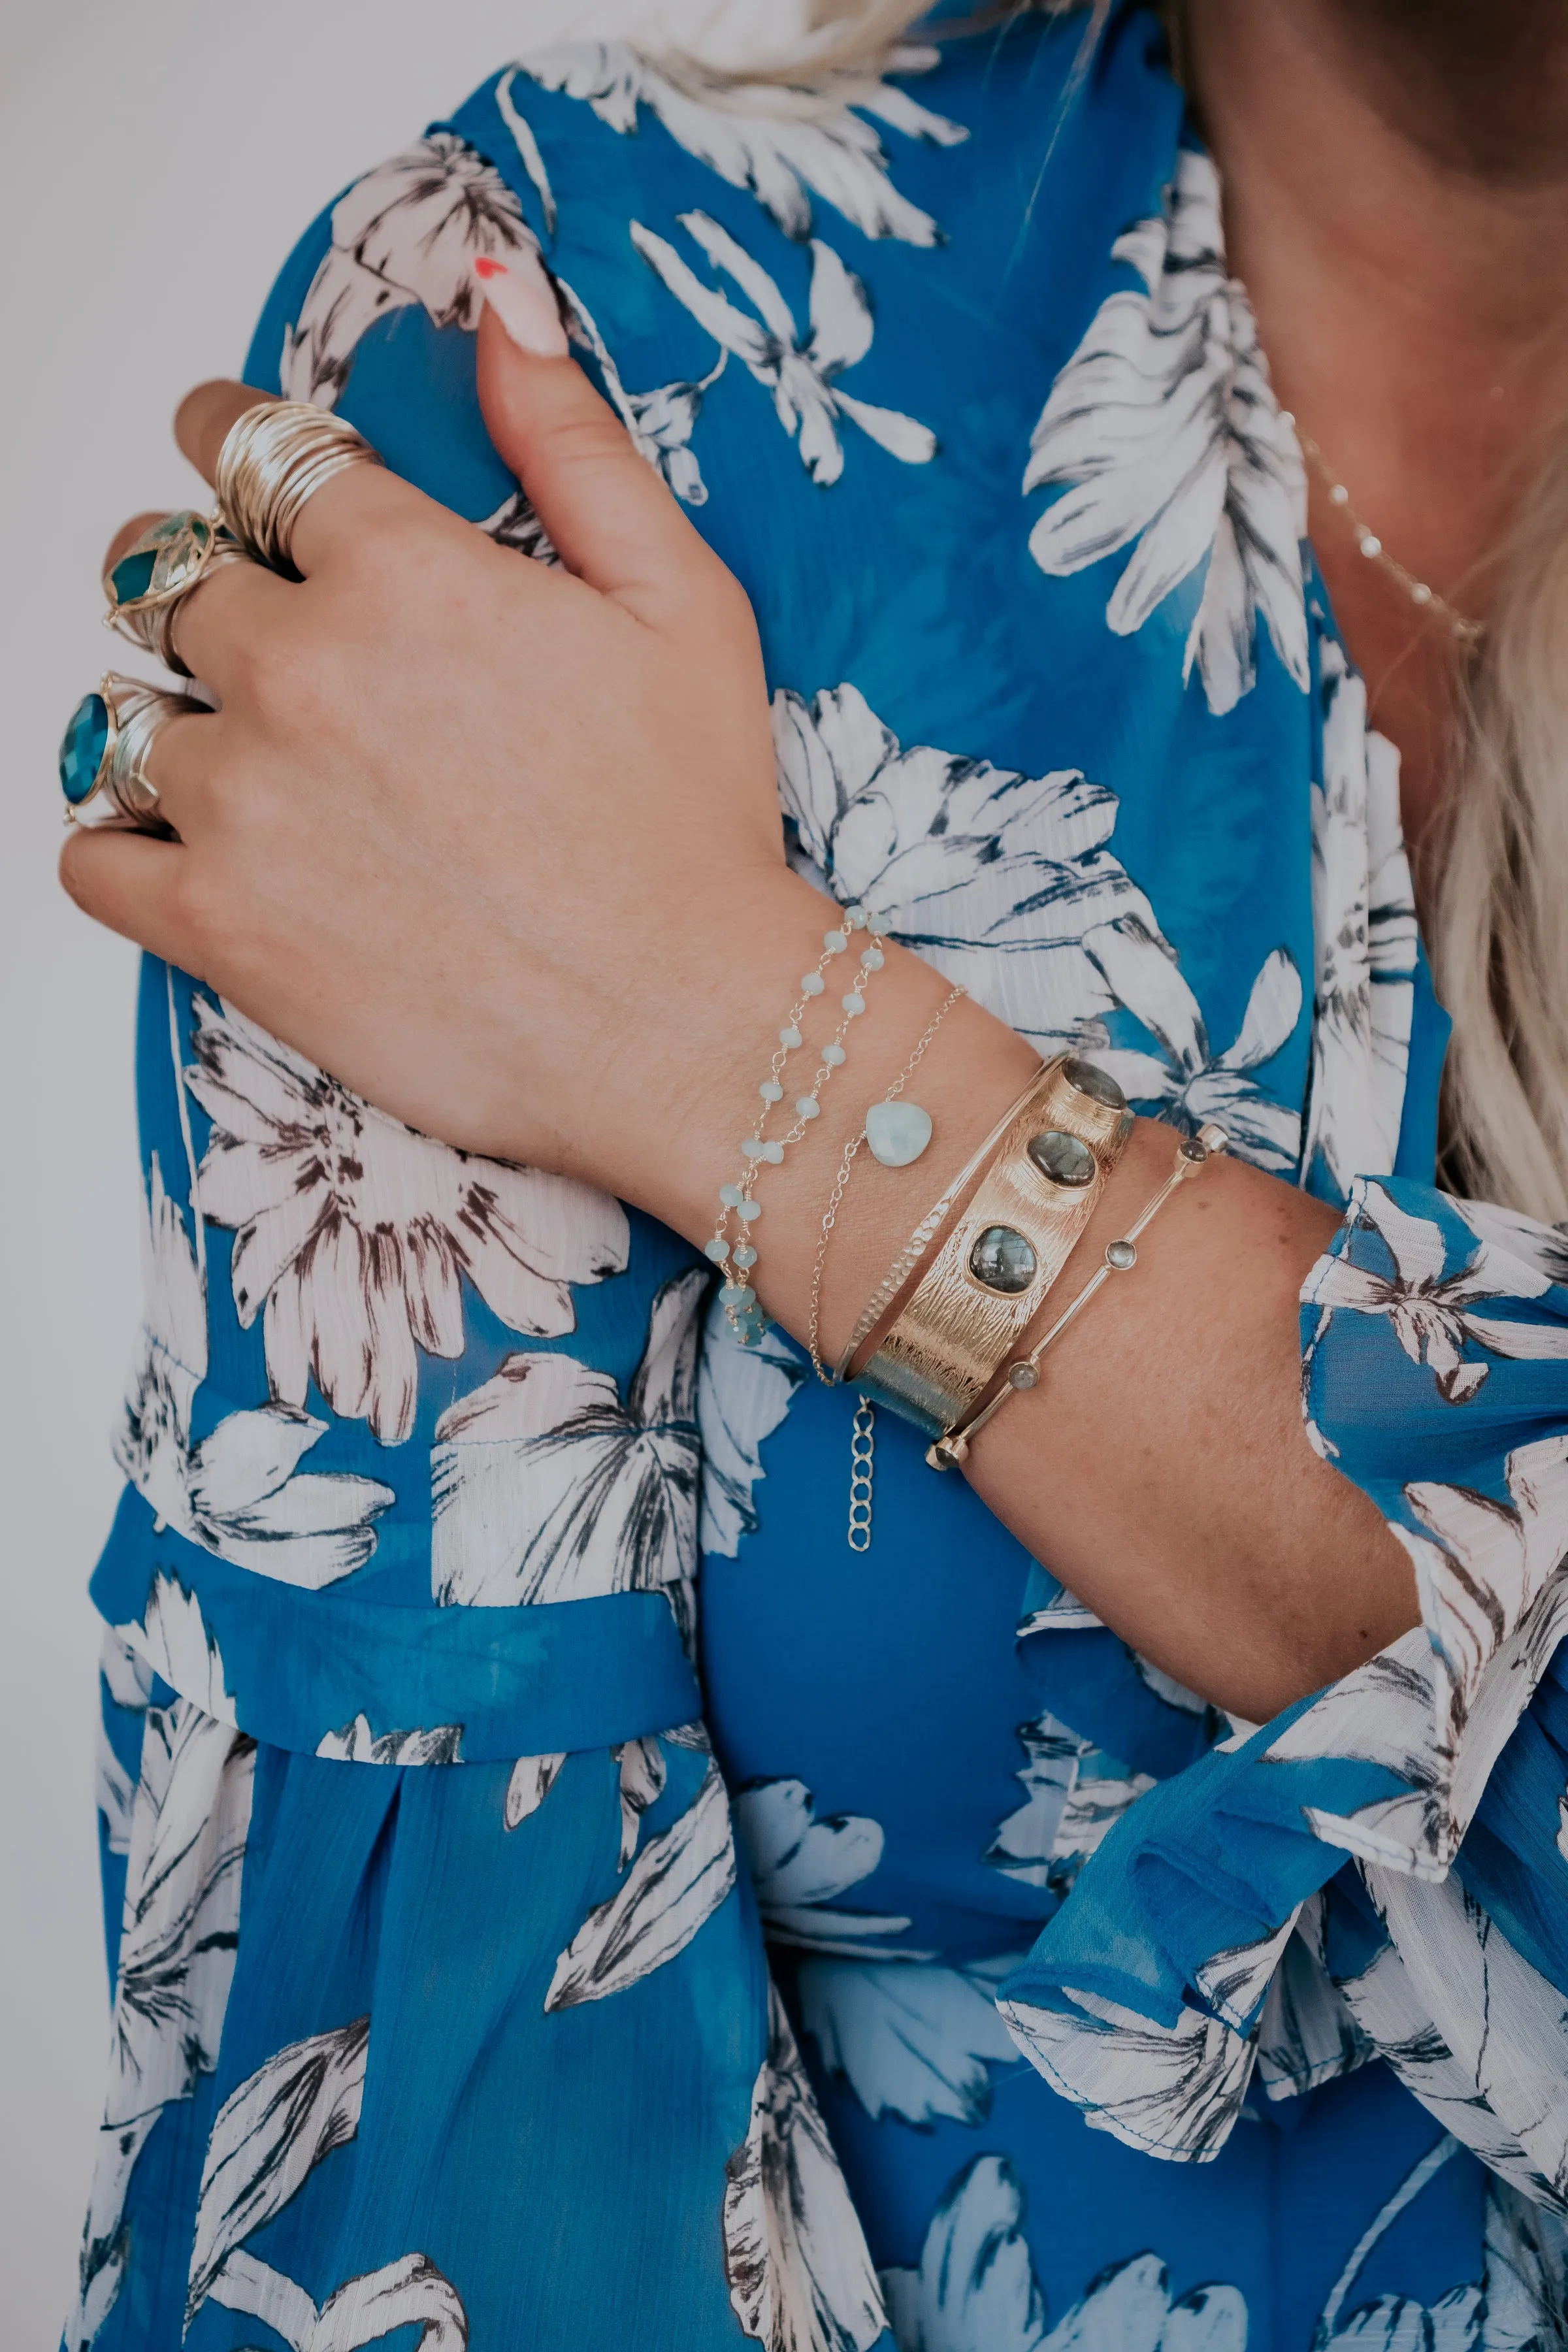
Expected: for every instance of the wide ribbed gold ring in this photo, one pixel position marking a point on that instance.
(274, 457)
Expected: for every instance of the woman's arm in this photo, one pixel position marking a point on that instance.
(499, 846)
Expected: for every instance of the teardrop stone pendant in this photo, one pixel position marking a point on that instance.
(898, 1133)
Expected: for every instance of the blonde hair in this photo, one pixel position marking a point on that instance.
(1499, 925)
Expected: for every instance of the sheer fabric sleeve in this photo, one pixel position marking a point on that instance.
(1382, 1869)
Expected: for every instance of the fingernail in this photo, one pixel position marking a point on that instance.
(523, 300)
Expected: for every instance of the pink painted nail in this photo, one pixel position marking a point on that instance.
(524, 302)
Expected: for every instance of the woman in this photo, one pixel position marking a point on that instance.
(931, 422)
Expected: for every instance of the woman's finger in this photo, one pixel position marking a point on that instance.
(603, 504)
(133, 884)
(223, 626)
(178, 766)
(358, 500)
(126, 536)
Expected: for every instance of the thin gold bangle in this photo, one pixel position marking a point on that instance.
(836, 1198)
(885, 1297)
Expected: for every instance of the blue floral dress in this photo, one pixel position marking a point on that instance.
(559, 1896)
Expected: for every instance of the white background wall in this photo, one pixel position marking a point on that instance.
(157, 160)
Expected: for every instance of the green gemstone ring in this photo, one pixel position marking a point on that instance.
(157, 572)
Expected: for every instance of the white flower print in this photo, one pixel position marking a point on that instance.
(1174, 2091)
(269, 2137)
(975, 2289)
(1187, 1083)
(1432, 1312)
(353, 1233)
(1436, 1708)
(743, 1395)
(1543, 1249)
(799, 2273)
(799, 1864)
(1006, 882)
(773, 140)
(128, 1684)
(356, 1743)
(1363, 925)
(912, 2040)
(675, 1885)
(1526, 2278)
(190, 1819)
(547, 1488)
(643, 1773)
(661, 422)
(1164, 423)
(173, 1640)
(408, 232)
(800, 374)
(240, 1492)
(1307, 2033)
(532, 1778)
(1076, 1795)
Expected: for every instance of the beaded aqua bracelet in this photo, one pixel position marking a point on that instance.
(736, 1254)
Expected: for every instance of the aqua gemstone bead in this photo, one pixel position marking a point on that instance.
(749, 1211)
(812, 983)
(789, 1035)
(746, 1255)
(731, 1195)
(832, 1055)
(854, 1003)
(718, 1249)
(806, 1107)
(738, 1295)
(898, 1133)
(772, 1152)
(82, 748)
(835, 941)
(771, 1090)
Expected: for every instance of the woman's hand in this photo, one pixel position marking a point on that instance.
(497, 844)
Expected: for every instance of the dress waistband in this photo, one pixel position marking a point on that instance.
(325, 1673)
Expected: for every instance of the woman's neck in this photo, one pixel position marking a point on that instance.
(1396, 203)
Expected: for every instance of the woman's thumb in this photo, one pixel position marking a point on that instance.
(605, 506)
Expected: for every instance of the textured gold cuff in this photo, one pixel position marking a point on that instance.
(1011, 1242)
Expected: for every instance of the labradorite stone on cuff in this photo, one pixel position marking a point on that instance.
(1064, 1159)
(1003, 1260)
(85, 741)
(1093, 1082)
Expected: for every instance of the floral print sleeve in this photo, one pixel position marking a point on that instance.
(1381, 1871)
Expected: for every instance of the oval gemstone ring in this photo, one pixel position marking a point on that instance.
(162, 564)
(105, 746)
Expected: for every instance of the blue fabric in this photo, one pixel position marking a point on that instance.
(457, 1527)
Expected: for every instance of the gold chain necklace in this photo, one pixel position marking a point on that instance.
(1420, 592)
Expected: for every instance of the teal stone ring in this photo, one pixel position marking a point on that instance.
(149, 582)
(105, 749)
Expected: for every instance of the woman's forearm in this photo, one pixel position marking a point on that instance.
(1160, 1469)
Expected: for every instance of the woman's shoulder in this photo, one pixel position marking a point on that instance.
(638, 178)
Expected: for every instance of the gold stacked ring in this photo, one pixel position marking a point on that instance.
(274, 457)
(105, 747)
(152, 579)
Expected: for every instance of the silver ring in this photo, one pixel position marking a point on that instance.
(148, 620)
(274, 457)
(104, 755)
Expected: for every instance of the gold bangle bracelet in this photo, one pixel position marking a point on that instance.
(883, 1297)
(1194, 1153)
(1011, 1241)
